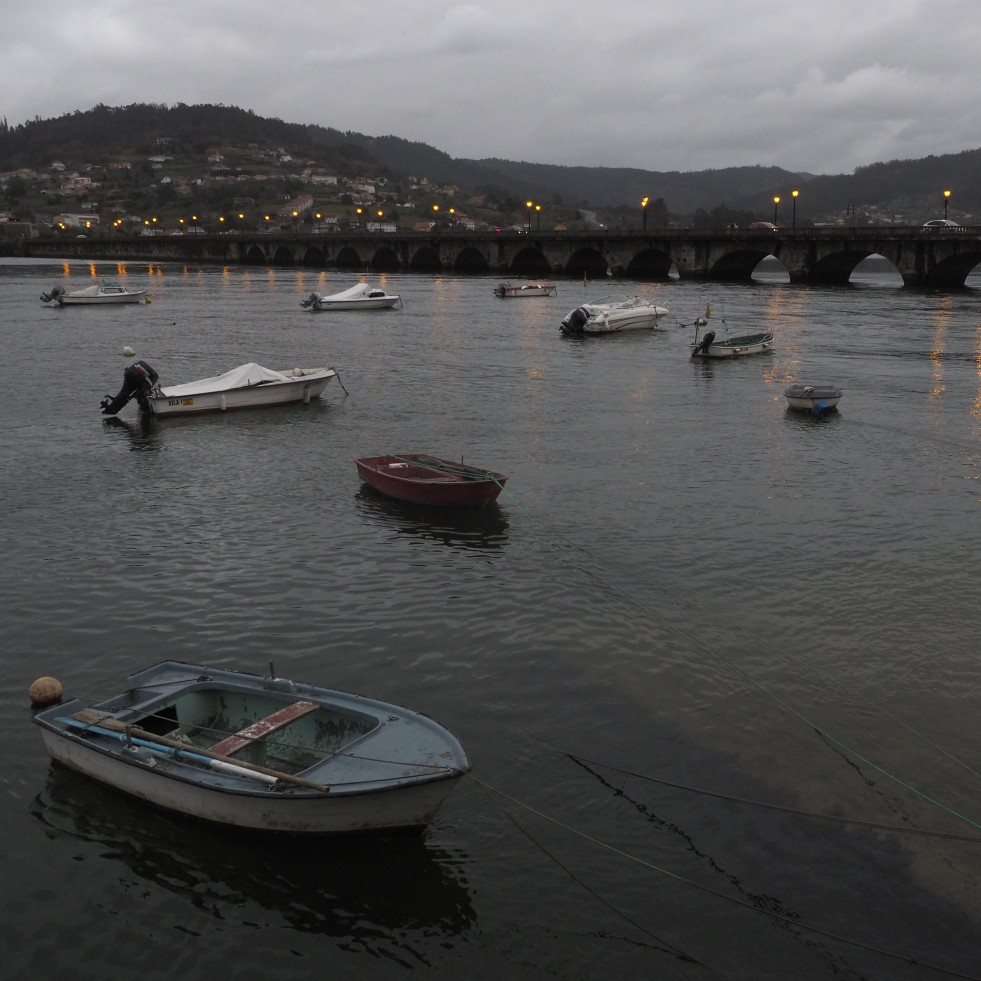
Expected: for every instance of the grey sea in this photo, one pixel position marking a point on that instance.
(715, 661)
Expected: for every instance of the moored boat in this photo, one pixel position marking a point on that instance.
(710, 345)
(262, 753)
(248, 386)
(611, 315)
(422, 479)
(817, 399)
(98, 293)
(359, 297)
(505, 290)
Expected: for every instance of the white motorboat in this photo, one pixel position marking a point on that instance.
(710, 345)
(265, 754)
(248, 386)
(97, 293)
(360, 297)
(816, 399)
(610, 315)
(505, 290)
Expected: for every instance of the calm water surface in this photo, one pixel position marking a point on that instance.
(689, 603)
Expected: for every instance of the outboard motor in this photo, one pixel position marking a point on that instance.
(705, 345)
(309, 301)
(138, 382)
(56, 291)
(573, 323)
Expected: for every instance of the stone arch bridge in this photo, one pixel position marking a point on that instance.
(922, 256)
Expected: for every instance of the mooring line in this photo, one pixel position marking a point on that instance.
(587, 761)
(778, 917)
(740, 672)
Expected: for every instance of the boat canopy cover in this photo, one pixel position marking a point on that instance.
(244, 376)
(362, 289)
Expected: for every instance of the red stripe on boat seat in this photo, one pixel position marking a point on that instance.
(264, 727)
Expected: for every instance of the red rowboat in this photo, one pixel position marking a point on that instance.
(422, 479)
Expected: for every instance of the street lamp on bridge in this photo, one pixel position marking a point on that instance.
(643, 214)
(528, 203)
(776, 204)
(946, 203)
(794, 223)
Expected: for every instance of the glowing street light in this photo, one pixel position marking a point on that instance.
(528, 203)
(946, 203)
(776, 204)
(435, 217)
(643, 214)
(794, 193)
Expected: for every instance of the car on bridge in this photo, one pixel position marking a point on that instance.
(940, 223)
(763, 226)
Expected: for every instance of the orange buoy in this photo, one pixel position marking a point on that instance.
(46, 691)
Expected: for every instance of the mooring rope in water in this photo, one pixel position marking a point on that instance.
(586, 762)
(569, 548)
(788, 921)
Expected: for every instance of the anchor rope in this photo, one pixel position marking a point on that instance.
(579, 556)
(777, 917)
(493, 794)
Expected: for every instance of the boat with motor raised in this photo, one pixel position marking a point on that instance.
(506, 290)
(359, 297)
(98, 293)
(248, 386)
(710, 345)
(611, 315)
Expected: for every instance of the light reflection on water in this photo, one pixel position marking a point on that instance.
(684, 579)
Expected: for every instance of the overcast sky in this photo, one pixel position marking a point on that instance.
(819, 86)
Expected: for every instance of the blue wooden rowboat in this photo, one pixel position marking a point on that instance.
(261, 753)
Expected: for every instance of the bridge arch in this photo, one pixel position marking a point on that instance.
(587, 262)
(254, 256)
(954, 270)
(650, 264)
(529, 261)
(386, 259)
(425, 259)
(348, 258)
(738, 264)
(284, 256)
(471, 260)
(837, 267)
(315, 257)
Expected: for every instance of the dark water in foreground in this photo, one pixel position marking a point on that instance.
(689, 603)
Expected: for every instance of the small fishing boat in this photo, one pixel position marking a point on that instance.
(261, 753)
(422, 479)
(248, 386)
(710, 345)
(816, 399)
(505, 290)
(612, 315)
(97, 293)
(360, 297)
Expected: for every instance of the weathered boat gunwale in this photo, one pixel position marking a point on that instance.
(392, 775)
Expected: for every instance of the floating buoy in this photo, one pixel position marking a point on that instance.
(46, 691)
(128, 351)
(146, 299)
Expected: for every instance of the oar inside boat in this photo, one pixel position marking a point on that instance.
(91, 717)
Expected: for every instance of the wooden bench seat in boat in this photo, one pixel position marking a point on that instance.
(263, 727)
